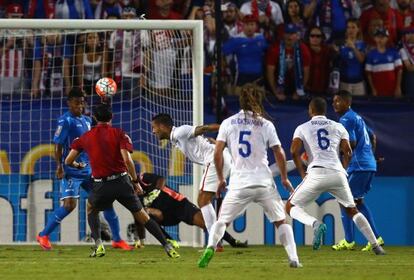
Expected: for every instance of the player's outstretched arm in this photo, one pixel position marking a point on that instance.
(280, 157)
(201, 129)
(295, 149)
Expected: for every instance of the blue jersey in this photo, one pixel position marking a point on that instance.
(68, 128)
(249, 53)
(363, 157)
(352, 71)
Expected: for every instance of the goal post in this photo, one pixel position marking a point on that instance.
(170, 81)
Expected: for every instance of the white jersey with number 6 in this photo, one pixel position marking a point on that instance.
(248, 139)
(321, 138)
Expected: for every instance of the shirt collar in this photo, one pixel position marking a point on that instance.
(319, 117)
(171, 133)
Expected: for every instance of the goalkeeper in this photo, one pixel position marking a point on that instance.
(169, 208)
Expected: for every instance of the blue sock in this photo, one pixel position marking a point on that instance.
(112, 219)
(54, 220)
(348, 225)
(363, 208)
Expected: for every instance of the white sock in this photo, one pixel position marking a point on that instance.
(363, 225)
(298, 213)
(209, 215)
(216, 234)
(286, 237)
(290, 165)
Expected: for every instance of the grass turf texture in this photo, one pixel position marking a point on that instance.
(255, 262)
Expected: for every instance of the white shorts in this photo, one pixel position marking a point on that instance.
(320, 180)
(209, 181)
(236, 201)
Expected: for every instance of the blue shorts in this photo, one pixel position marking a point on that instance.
(70, 186)
(360, 182)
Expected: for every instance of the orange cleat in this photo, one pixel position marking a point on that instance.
(219, 248)
(44, 242)
(121, 245)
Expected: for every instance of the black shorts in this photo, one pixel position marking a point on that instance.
(183, 211)
(121, 189)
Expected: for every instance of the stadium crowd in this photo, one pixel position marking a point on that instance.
(291, 48)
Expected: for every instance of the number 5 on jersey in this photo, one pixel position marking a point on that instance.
(245, 148)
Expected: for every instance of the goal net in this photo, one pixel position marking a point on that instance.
(158, 69)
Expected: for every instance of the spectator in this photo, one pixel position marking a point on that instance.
(48, 65)
(287, 65)
(384, 67)
(40, 9)
(13, 43)
(269, 16)
(249, 50)
(233, 26)
(91, 62)
(405, 12)
(162, 9)
(73, 9)
(294, 15)
(320, 62)
(351, 60)
(3, 8)
(391, 20)
(374, 24)
(127, 58)
(104, 6)
(330, 15)
(407, 56)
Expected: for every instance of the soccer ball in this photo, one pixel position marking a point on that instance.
(106, 87)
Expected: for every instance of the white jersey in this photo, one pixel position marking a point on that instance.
(195, 148)
(248, 139)
(321, 138)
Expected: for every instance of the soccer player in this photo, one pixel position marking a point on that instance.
(323, 139)
(169, 207)
(109, 151)
(361, 169)
(248, 135)
(72, 125)
(189, 140)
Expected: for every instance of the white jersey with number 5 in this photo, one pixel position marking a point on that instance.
(321, 138)
(248, 139)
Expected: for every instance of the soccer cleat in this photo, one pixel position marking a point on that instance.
(139, 244)
(121, 244)
(206, 257)
(378, 250)
(368, 247)
(344, 245)
(220, 248)
(174, 243)
(319, 230)
(98, 251)
(239, 244)
(295, 264)
(44, 242)
(171, 252)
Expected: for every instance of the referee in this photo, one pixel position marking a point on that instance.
(109, 151)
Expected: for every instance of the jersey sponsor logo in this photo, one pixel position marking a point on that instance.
(58, 130)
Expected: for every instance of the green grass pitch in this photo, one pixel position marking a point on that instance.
(255, 262)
